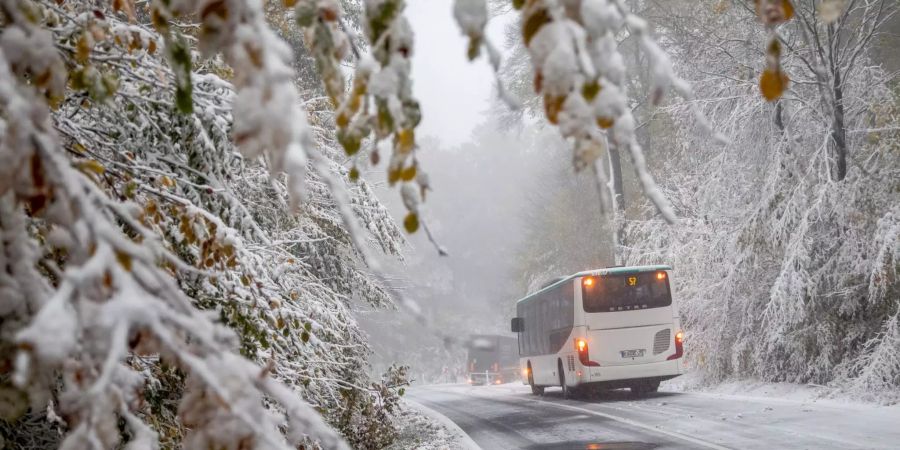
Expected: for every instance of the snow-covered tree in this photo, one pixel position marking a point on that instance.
(143, 251)
(787, 257)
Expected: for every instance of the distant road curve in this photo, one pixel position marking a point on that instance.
(509, 417)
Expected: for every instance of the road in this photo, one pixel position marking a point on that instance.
(509, 417)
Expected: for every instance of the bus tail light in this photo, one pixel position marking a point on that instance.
(581, 347)
(679, 346)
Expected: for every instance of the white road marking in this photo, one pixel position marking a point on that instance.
(636, 424)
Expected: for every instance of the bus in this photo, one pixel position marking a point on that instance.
(601, 329)
(491, 359)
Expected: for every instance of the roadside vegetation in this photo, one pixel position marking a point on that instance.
(184, 230)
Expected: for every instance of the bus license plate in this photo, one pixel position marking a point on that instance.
(636, 353)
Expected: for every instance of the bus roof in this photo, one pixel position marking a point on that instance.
(618, 270)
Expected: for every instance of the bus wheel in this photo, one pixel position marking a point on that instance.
(644, 388)
(566, 392)
(536, 390)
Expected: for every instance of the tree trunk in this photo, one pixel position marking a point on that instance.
(838, 133)
(615, 165)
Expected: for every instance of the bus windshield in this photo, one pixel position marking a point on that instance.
(625, 292)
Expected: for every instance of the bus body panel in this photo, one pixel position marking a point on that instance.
(633, 345)
(545, 369)
(660, 369)
(627, 319)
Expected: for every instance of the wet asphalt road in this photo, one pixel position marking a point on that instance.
(530, 422)
(509, 417)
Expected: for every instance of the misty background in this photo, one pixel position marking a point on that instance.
(501, 182)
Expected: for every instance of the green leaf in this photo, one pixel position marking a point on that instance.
(180, 56)
(183, 99)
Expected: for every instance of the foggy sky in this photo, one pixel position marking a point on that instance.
(454, 93)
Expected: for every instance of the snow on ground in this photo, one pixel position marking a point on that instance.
(422, 428)
(803, 393)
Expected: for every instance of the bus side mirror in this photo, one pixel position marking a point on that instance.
(516, 325)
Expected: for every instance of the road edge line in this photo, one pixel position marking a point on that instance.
(465, 439)
(634, 423)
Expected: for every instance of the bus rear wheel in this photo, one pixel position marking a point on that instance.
(644, 388)
(536, 390)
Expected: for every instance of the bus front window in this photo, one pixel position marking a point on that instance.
(626, 292)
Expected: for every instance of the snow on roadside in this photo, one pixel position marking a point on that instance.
(693, 382)
(421, 428)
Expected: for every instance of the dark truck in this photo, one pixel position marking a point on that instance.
(492, 359)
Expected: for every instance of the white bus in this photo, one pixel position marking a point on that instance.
(606, 329)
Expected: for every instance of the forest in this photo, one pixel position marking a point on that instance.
(216, 214)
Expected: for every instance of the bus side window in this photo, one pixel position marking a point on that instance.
(529, 327)
(520, 337)
(568, 305)
(545, 318)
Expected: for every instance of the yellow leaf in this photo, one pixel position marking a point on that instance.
(406, 139)
(605, 122)
(788, 9)
(411, 223)
(124, 260)
(533, 23)
(774, 12)
(83, 48)
(552, 106)
(590, 90)
(92, 166)
(394, 175)
(342, 120)
(773, 83)
(408, 173)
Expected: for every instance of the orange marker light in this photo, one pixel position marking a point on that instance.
(679, 337)
(580, 345)
(588, 282)
(660, 275)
